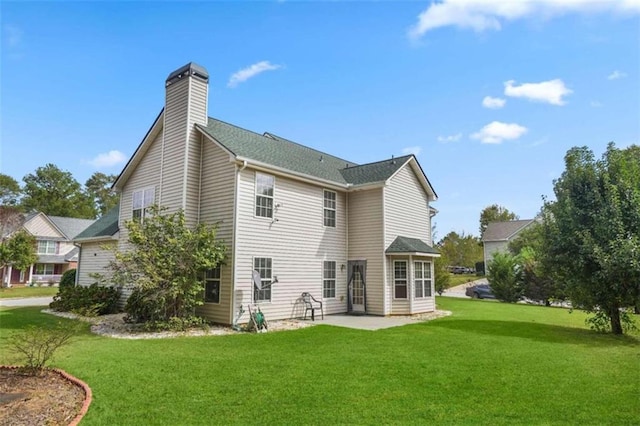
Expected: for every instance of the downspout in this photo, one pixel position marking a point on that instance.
(235, 239)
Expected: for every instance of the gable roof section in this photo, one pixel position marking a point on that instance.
(504, 231)
(103, 228)
(70, 226)
(379, 171)
(405, 245)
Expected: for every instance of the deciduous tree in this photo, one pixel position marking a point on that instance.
(56, 192)
(592, 232)
(460, 250)
(494, 213)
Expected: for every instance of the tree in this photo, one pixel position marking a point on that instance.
(592, 232)
(504, 277)
(9, 190)
(460, 250)
(98, 187)
(166, 264)
(494, 213)
(18, 250)
(55, 192)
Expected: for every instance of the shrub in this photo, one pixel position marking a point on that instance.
(37, 345)
(87, 301)
(442, 275)
(149, 306)
(68, 279)
(503, 277)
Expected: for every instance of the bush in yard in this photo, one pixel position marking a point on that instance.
(442, 275)
(68, 279)
(165, 264)
(37, 345)
(504, 277)
(87, 301)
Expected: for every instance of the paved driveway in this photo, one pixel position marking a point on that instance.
(27, 301)
(458, 291)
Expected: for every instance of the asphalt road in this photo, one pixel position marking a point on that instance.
(27, 301)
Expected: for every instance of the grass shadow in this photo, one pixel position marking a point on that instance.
(536, 331)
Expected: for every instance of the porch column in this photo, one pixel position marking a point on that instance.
(30, 274)
(10, 269)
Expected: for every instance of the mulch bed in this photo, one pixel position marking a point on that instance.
(51, 398)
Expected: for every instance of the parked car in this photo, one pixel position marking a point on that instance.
(480, 291)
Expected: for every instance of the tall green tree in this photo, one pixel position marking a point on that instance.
(460, 250)
(18, 250)
(9, 190)
(592, 232)
(494, 213)
(56, 192)
(98, 187)
(165, 263)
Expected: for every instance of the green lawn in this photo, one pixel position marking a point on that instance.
(457, 279)
(488, 363)
(6, 293)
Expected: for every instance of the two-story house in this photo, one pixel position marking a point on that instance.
(355, 235)
(54, 247)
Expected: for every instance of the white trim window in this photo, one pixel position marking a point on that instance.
(47, 247)
(330, 208)
(400, 276)
(142, 200)
(422, 279)
(264, 195)
(212, 285)
(45, 269)
(264, 267)
(329, 279)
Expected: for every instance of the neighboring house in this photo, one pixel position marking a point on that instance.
(54, 247)
(358, 237)
(497, 236)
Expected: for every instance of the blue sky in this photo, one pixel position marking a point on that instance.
(489, 95)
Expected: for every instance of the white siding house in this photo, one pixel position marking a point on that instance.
(305, 220)
(497, 236)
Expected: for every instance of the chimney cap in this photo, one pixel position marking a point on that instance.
(190, 69)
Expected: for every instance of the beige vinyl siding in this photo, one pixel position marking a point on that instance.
(406, 208)
(406, 212)
(145, 175)
(366, 242)
(65, 247)
(185, 105)
(297, 242)
(217, 205)
(41, 227)
(491, 247)
(94, 258)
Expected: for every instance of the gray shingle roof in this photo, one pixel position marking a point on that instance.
(410, 245)
(70, 226)
(106, 226)
(72, 255)
(277, 151)
(503, 231)
(52, 258)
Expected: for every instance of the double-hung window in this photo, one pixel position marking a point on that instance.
(263, 266)
(264, 195)
(47, 247)
(212, 285)
(329, 208)
(400, 279)
(329, 279)
(142, 200)
(422, 279)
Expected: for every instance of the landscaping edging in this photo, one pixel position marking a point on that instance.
(88, 395)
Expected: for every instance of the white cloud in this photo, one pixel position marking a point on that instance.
(14, 35)
(616, 75)
(496, 132)
(482, 15)
(251, 71)
(110, 159)
(415, 150)
(493, 103)
(452, 138)
(550, 91)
